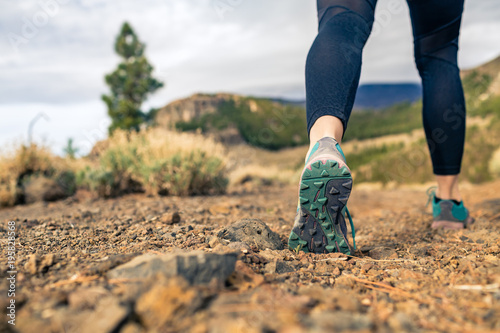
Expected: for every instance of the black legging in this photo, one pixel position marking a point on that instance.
(334, 65)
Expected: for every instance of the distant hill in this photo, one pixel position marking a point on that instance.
(382, 95)
(231, 118)
(376, 95)
(382, 109)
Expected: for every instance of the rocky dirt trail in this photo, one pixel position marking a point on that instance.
(219, 264)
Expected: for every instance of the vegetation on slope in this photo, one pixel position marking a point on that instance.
(411, 164)
(399, 118)
(268, 124)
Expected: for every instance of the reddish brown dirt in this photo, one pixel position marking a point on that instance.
(404, 277)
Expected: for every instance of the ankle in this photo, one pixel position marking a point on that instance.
(448, 187)
(449, 195)
(438, 199)
(326, 126)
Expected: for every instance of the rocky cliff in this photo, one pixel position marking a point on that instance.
(190, 108)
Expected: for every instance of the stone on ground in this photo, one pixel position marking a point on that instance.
(169, 302)
(383, 253)
(252, 232)
(109, 315)
(278, 267)
(196, 267)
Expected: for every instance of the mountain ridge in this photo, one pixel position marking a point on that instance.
(266, 121)
(197, 101)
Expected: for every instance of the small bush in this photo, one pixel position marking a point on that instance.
(158, 162)
(96, 180)
(25, 163)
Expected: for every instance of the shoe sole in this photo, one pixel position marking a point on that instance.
(447, 225)
(324, 190)
(452, 225)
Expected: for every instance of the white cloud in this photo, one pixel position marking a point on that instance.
(86, 123)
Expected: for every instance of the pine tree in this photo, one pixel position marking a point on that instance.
(130, 83)
(70, 150)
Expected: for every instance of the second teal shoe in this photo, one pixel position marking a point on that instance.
(448, 214)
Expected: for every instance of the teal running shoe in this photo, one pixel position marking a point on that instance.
(325, 186)
(448, 214)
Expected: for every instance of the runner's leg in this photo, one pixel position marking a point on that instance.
(436, 26)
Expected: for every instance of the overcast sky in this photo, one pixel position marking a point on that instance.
(55, 54)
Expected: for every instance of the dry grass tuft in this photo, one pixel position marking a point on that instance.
(24, 163)
(156, 161)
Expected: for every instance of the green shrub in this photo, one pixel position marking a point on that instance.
(97, 180)
(194, 173)
(157, 162)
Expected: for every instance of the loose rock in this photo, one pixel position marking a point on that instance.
(196, 267)
(35, 264)
(279, 267)
(340, 321)
(381, 253)
(108, 316)
(171, 218)
(252, 232)
(168, 301)
(32, 264)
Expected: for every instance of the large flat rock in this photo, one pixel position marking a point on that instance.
(196, 267)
